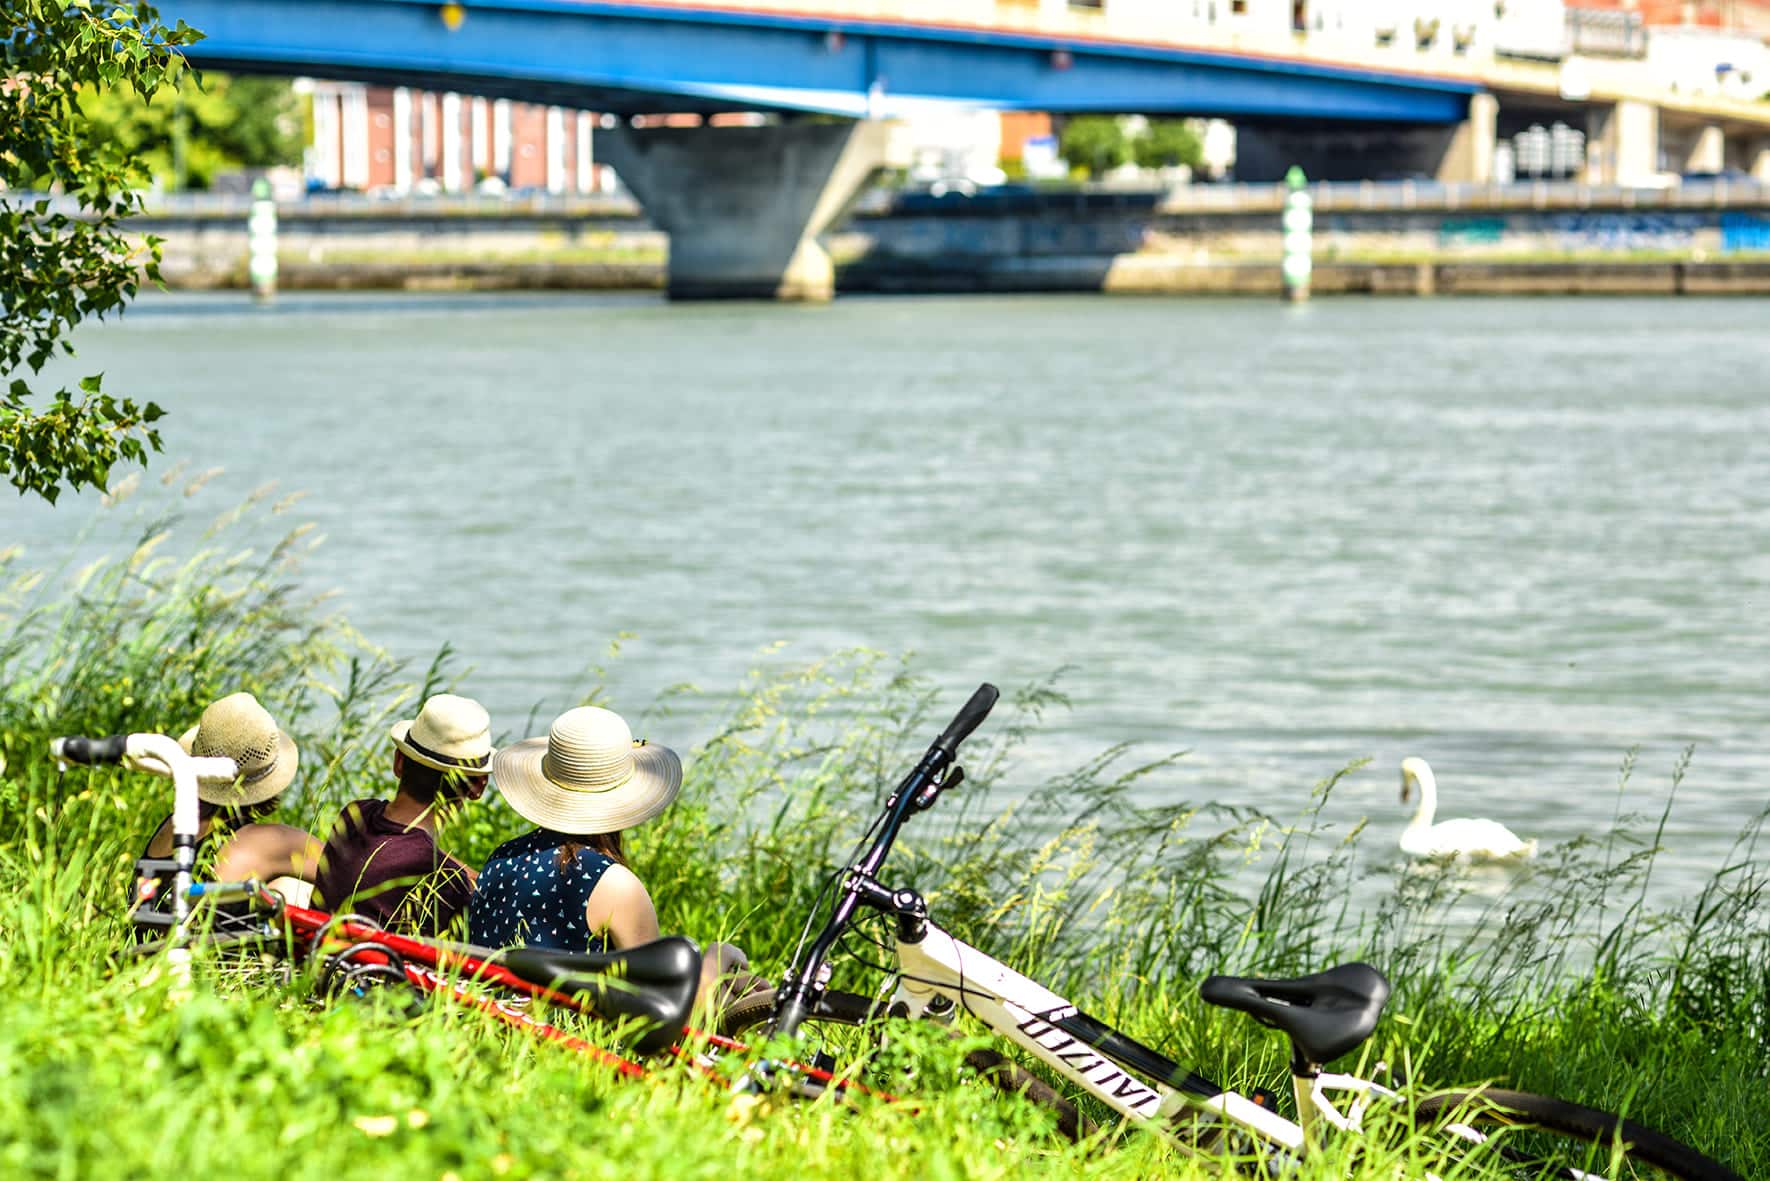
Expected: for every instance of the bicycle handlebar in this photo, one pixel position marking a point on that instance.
(159, 754)
(803, 984)
(89, 752)
(968, 718)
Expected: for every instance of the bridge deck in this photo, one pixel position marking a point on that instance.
(635, 57)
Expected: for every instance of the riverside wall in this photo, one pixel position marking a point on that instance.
(1068, 242)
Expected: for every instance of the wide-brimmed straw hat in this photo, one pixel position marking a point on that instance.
(449, 734)
(588, 775)
(237, 727)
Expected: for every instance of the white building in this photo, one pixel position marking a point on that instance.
(1709, 61)
(1431, 29)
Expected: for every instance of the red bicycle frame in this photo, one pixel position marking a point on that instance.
(441, 969)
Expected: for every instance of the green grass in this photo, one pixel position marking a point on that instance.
(1572, 985)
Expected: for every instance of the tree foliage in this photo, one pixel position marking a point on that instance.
(1100, 143)
(59, 267)
(189, 132)
(1166, 143)
(1095, 143)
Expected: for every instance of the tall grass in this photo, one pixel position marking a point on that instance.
(1569, 983)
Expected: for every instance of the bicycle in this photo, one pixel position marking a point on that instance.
(1325, 1016)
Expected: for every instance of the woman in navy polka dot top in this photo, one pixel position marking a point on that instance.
(566, 885)
(535, 892)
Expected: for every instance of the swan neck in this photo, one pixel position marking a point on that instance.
(1428, 799)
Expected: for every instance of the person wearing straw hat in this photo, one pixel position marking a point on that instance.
(239, 728)
(381, 860)
(567, 885)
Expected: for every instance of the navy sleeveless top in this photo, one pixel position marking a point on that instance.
(524, 899)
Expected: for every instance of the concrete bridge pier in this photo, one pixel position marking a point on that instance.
(1708, 150)
(744, 205)
(1468, 158)
(1622, 143)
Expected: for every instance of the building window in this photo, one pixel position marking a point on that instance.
(1299, 16)
(1425, 32)
(1238, 7)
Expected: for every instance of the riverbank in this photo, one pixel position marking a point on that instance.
(109, 1064)
(1125, 274)
(1378, 239)
(1154, 274)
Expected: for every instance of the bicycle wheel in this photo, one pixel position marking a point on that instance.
(848, 1009)
(1516, 1135)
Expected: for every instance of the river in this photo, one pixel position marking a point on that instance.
(1516, 537)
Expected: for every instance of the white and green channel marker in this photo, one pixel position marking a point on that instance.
(261, 242)
(1299, 229)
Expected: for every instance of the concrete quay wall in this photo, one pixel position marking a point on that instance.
(1209, 235)
(1122, 246)
(1155, 274)
(201, 252)
(1145, 274)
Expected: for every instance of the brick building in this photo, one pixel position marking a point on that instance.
(1748, 16)
(397, 139)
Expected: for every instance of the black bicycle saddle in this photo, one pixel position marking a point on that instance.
(654, 982)
(1325, 1014)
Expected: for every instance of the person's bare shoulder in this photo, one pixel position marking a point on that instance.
(622, 887)
(620, 906)
(268, 851)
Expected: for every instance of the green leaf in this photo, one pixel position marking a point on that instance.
(81, 128)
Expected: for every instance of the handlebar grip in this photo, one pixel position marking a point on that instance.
(969, 718)
(89, 751)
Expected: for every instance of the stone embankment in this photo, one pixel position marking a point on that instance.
(1369, 241)
(1167, 275)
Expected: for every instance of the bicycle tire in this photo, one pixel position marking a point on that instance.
(1544, 1137)
(850, 1009)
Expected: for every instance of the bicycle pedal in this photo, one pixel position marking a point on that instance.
(824, 1062)
(1264, 1098)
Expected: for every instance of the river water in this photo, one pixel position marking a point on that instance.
(1515, 537)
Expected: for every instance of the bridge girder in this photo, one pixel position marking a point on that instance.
(632, 58)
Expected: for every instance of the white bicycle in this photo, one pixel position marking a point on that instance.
(1482, 1132)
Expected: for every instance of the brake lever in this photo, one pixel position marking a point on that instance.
(955, 775)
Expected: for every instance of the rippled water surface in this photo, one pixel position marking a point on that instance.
(1514, 537)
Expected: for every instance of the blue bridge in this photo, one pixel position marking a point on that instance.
(744, 205)
(631, 58)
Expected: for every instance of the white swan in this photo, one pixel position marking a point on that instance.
(1476, 840)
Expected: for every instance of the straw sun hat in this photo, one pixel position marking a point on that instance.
(449, 734)
(237, 727)
(588, 775)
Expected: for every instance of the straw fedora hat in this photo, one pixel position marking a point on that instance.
(588, 775)
(449, 734)
(237, 727)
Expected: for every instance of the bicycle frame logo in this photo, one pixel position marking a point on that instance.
(1090, 1066)
(1049, 1026)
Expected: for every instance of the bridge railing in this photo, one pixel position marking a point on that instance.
(1353, 196)
(1329, 196)
(229, 206)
